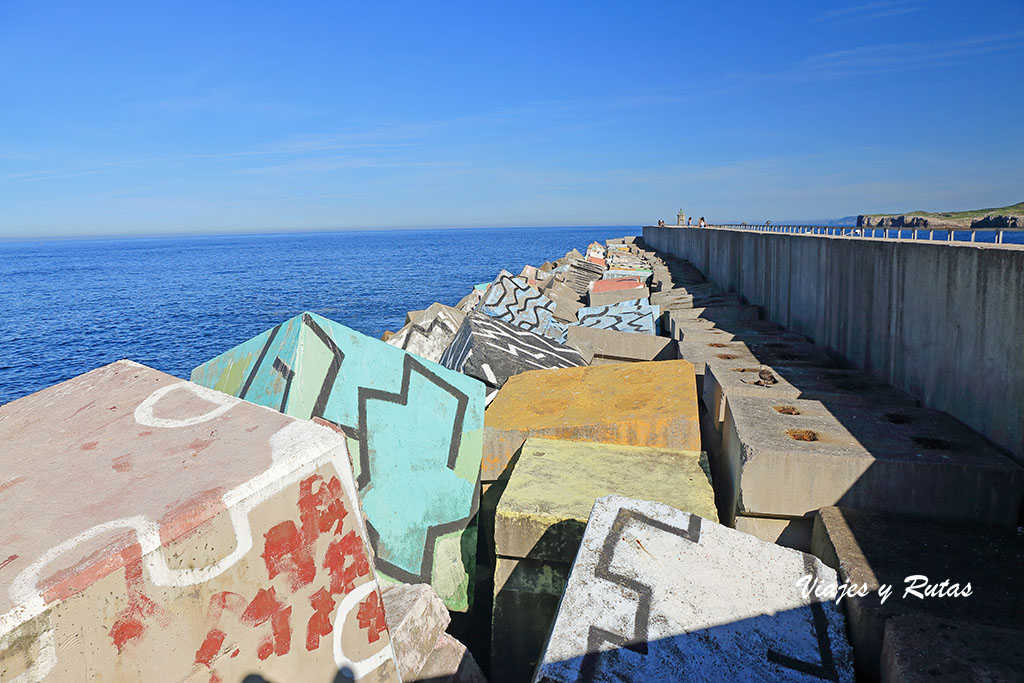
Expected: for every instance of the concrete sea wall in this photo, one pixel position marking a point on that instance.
(942, 322)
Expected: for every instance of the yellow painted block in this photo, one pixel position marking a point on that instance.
(650, 404)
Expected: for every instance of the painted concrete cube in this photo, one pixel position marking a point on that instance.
(658, 594)
(153, 529)
(414, 428)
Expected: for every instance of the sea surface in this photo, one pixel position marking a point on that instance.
(172, 303)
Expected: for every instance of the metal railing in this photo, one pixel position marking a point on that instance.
(873, 232)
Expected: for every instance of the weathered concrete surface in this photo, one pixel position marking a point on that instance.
(657, 594)
(415, 429)
(872, 549)
(922, 650)
(790, 458)
(157, 530)
(626, 316)
(526, 595)
(723, 380)
(789, 532)
(744, 335)
(567, 302)
(604, 403)
(718, 314)
(431, 333)
(549, 496)
(701, 353)
(928, 318)
(450, 662)
(416, 619)
(600, 347)
(606, 292)
(540, 521)
(493, 351)
(580, 274)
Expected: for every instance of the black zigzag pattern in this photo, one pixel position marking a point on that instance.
(518, 304)
(635, 318)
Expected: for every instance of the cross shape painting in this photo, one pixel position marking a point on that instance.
(415, 432)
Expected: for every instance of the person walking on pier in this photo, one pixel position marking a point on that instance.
(701, 223)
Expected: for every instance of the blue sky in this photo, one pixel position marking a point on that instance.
(149, 118)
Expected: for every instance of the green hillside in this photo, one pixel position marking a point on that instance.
(1012, 210)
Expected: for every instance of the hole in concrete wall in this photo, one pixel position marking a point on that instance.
(786, 410)
(802, 434)
(726, 356)
(898, 418)
(931, 444)
(746, 369)
(719, 346)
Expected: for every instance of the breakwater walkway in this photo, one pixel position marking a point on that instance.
(607, 467)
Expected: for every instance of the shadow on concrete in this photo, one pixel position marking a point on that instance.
(792, 644)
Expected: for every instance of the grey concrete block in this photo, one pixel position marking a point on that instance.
(920, 649)
(450, 662)
(614, 296)
(526, 597)
(724, 380)
(873, 549)
(790, 458)
(599, 346)
(719, 314)
(416, 618)
(657, 594)
(789, 532)
(431, 333)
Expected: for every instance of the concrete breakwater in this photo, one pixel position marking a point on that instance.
(603, 468)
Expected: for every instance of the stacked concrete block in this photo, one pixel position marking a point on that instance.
(723, 381)
(603, 403)
(658, 594)
(417, 620)
(636, 315)
(512, 301)
(431, 333)
(870, 549)
(414, 428)
(469, 302)
(493, 351)
(540, 522)
(612, 291)
(922, 649)
(783, 352)
(165, 531)
(788, 458)
(599, 347)
(567, 302)
(580, 274)
(717, 314)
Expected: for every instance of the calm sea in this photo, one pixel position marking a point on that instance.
(67, 307)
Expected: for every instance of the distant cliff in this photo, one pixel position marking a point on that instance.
(1005, 217)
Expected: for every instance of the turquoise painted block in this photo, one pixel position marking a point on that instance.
(415, 431)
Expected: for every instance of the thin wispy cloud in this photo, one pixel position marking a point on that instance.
(870, 11)
(868, 60)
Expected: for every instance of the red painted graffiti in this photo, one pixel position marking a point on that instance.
(266, 607)
(285, 551)
(337, 563)
(322, 510)
(130, 621)
(320, 623)
(371, 616)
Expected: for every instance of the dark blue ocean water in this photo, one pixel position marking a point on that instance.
(67, 307)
